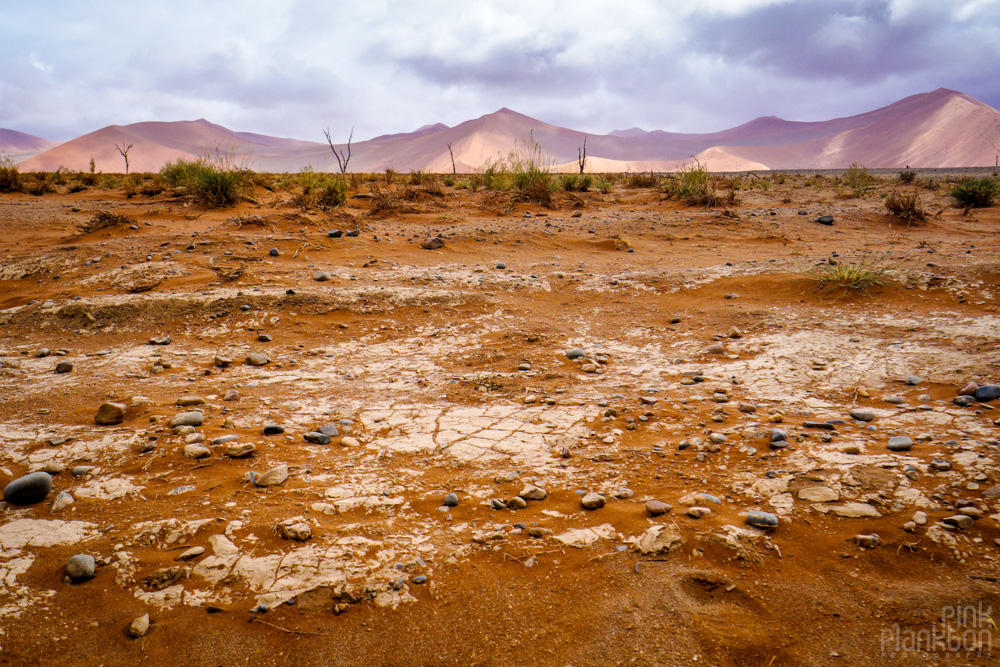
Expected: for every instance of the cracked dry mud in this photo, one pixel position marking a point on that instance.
(414, 356)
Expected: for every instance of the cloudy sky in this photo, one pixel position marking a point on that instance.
(291, 68)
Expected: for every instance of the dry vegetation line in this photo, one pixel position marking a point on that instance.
(509, 390)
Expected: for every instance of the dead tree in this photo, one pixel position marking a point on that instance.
(124, 152)
(581, 155)
(342, 158)
(452, 159)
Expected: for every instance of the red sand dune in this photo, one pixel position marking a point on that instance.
(943, 128)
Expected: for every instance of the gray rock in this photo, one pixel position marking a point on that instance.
(80, 471)
(222, 362)
(295, 529)
(62, 501)
(863, 415)
(317, 438)
(825, 220)
(81, 567)
(517, 503)
(192, 418)
(329, 429)
(867, 541)
(987, 393)
(109, 414)
(900, 443)
(450, 500)
(913, 380)
(697, 512)
(777, 435)
(29, 489)
(420, 579)
(273, 429)
(499, 504)
(161, 340)
(575, 353)
(592, 501)
(762, 519)
(190, 401)
(963, 401)
(223, 439)
(258, 359)
(64, 367)
(434, 243)
(322, 276)
(273, 252)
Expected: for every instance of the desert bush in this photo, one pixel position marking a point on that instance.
(859, 275)
(604, 185)
(975, 192)
(525, 169)
(905, 207)
(575, 182)
(209, 183)
(449, 181)
(332, 195)
(37, 185)
(907, 176)
(642, 179)
(857, 179)
(695, 187)
(10, 177)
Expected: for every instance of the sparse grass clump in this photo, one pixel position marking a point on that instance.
(857, 179)
(10, 177)
(604, 185)
(525, 169)
(332, 195)
(907, 176)
(642, 179)
(576, 182)
(695, 187)
(975, 193)
(852, 276)
(906, 207)
(209, 183)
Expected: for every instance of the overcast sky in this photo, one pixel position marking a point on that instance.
(292, 68)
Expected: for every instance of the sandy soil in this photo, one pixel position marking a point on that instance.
(420, 350)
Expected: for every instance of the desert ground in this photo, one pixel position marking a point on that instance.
(673, 367)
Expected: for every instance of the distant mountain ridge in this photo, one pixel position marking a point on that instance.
(942, 128)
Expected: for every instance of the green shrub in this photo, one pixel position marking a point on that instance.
(857, 179)
(858, 275)
(332, 195)
(208, 183)
(10, 177)
(642, 179)
(604, 185)
(975, 192)
(695, 187)
(907, 176)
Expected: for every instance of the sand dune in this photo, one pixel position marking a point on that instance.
(943, 128)
(19, 146)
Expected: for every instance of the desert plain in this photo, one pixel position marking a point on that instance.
(612, 384)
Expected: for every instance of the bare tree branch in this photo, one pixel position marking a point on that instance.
(452, 159)
(342, 158)
(124, 152)
(581, 155)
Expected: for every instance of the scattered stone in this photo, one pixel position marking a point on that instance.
(193, 552)
(317, 438)
(825, 220)
(273, 252)
(29, 489)
(295, 529)
(450, 500)
(913, 380)
(190, 401)
(258, 359)
(273, 429)
(516, 503)
(62, 501)
(963, 401)
(960, 521)
(348, 441)
(575, 353)
(969, 389)
(698, 512)
(80, 471)
(329, 429)
(592, 501)
(81, 567)
(863, 415)
(161, 340)
(139, 626)
(223, 439)
(920, 518)
(867, 541)
(222, 362)
(532, 492)
(240, 450)
(109, 414)
(659, 539)
(762, 519)
(273, 477)
(197, 451)
(657, 507)
(900, 443)
(192, 418)
(434, 243)
(64, 367)
(987, 393)
(322, 276)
